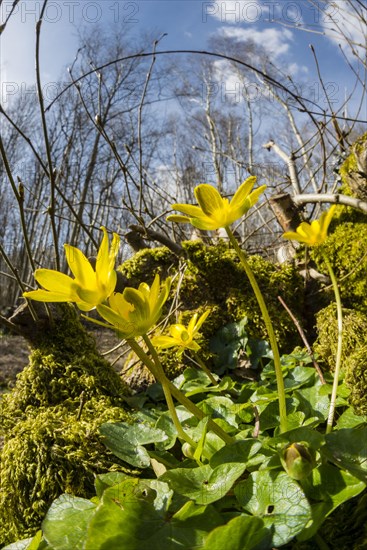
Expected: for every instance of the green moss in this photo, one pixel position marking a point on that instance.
(346, 249)
(354, 334)
(212, 277)
(356, 378)
(50, 423)
(143, 266)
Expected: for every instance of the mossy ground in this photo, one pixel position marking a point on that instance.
(50, 423)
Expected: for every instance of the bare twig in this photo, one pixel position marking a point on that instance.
(51, 173)
(304, 339)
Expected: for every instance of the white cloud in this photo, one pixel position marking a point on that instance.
(240, 11)
(275, 41)
(253, 11)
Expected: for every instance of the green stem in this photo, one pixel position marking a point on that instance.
(177, 394)
(269, 328)
(167, 393)
(329, 424)
(205, 369)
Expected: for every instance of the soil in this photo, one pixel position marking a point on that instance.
(14, 352)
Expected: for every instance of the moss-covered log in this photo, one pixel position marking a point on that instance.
(49, 425)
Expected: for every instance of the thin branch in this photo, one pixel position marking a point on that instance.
(51, 208)
(332, 198)
(304, 339)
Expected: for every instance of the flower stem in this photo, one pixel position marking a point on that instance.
(329, 424)
(177, 394)
(167, 394)
(269, 328)
(205, 369)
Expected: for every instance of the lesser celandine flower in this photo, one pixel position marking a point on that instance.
(90, 286)
(135, 311)
(181, 336)
(315, 233)
(215, 211)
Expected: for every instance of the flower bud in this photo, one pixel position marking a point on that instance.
(188, 450)
(298, 460)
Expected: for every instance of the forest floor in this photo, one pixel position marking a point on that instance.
(14, 352)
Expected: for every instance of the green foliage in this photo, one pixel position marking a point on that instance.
(50, 423)
(224, 496)
(214, 278)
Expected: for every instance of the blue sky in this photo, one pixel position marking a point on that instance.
(188, 24)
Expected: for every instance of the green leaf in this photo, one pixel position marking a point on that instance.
(227, 343)
(126, 441)
(241, 533)
(240, 451)
(35, 543)
(347, 449)
(204, 484)
(299, 376)
(103, 481)
(278, 500)
(220, 407)
(314, 439)
(312, 402)
(136, 522)
(350, 420)
(257, 350)
(65, 524)
(19, 544)
(330, 486)
(269, 414)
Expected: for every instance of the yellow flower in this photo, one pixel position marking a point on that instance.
(90, 287)
(135, 311)
(182, 336)
(315, 233)
(215, 211)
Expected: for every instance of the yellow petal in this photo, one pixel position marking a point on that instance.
(47, 296)
(80, 266)
(208, 198)
(192, 323)
(189, 209)
(325, 220)
(91, 297)
(164, 342)
(291, 235)
(115, 245)
(120, 305)
(154, 292)
(136, 298)
(127, 328)
(202, 319)
(55, 281)
(178, 219)
(254, 196)
(102, 263)
(206, 224)
(177, 331)
(242, 192)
